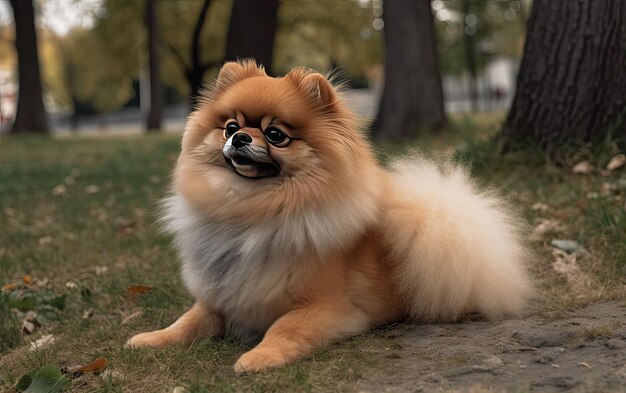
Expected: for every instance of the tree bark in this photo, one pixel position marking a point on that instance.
(572, 81)
(31, 114)
(155, 114)
(251, 32)
(412, 97)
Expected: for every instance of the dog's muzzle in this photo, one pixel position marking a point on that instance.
(249, 160)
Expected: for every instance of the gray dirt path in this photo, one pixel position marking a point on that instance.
(585, 351)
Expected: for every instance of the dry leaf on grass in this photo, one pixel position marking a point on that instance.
(540, 207)
(565, 264)
(59, 190)
(92, 189)
(544, 226)
(28, 327)
(44, 240)
(138, 289)
(43, 342)
(96, 366)
(582, 168)
(616, 162)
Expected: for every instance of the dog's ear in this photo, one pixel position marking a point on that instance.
(235, 71)
(314, 85)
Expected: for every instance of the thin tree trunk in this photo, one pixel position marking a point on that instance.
(572, 80)
(412, 97)
(470, 59)
(251, 32)
(31, 114)
(155, 114)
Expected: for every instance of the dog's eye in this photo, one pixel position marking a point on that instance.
(231, 128)
(276, 137)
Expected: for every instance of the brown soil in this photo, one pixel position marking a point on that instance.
(584, 351)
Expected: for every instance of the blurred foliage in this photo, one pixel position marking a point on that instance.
(80, 69)
(497, 28)
(334, 33)
(96, 63)
(96, 66)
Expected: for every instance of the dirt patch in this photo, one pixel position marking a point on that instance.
(585, 351)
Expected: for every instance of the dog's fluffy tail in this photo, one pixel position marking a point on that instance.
(457, 248)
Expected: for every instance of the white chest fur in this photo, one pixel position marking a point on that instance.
(243, 270)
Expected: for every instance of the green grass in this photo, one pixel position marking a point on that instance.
(77, 216)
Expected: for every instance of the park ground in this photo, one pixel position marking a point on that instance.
(83, 268)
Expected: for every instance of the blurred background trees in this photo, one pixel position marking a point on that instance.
(148, 59)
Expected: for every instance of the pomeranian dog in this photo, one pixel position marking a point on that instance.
(290, 232)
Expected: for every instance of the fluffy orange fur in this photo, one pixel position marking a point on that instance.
(333, 244)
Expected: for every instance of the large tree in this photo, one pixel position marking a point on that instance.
(412, 98)
(251, 32)
(572, 81)
(31, 114)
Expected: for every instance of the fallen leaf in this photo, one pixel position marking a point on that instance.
(47, 379)
(93, 367)
(608, 188)
(26, 279)
(138, 289)
(44, 240)
(98, 270)
(59, 190)
(111, 374)
(582, 168)
(567, 245)
(71, 285)
(540, 206)
(88, 313)
(544, 226)
(11, 286)
(28, 327)
(565, 264)
(616, 162)
(92, 189)
(43, 342)
(10, 212)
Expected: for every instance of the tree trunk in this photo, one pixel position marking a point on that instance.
(31, 114)
(470, 59)
(251, 32)
(153, 121)
(412, 97)
(572, 80)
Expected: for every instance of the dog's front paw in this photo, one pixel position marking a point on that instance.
(156, 339)
(259, 360)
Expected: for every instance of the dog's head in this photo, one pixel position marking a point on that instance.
(260, 145)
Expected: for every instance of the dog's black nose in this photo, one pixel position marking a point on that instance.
(241, 139)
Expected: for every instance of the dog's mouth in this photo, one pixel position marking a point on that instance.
(251, 161)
